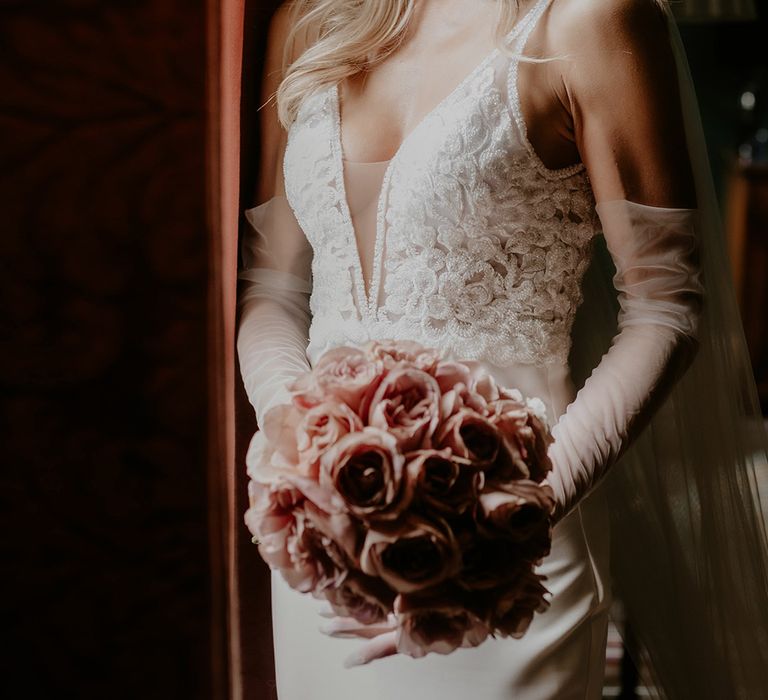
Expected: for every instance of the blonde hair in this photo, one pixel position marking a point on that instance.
(346, 37)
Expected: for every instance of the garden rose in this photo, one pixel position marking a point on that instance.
(440, 482)
(343, 373)
(510, 609)
(411, 553)
(280, 425)
(536, 439)
(365, 598)
(317, 562)
(320, 428)
(450, 374)
(459, 396)
(265, 461)
(486, 387)
(366, 469)
(345, 531)
(407, 405)
(271, 519)
(470, 436)
(390, 352)
(517, 509)
(435, 621)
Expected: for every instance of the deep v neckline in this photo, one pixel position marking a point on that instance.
(367, 299)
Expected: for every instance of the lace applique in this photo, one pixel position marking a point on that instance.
(483, 248)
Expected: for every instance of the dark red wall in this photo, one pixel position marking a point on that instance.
(103, 350)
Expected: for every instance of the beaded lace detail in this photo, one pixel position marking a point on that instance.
(480, 248)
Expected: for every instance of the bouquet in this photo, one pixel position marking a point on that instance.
(400, 483)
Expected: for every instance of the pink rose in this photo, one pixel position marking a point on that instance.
(511, 394)
(346, 532)
(365, 598)
(272, 449)
(470, 436)
(366, 469)
(449, 374)
(317, 562)
(535, 439)
(280, 426)
(271, 518)
(258, 459)
(435, 621)
(411, 553)
(508, 415)
(509, 465)
(526, 437)
(510, 609)
(441, 483)
(320, 428)
(485, 385)
(407, 405)
(343, 373)
(460, 396)
(517, 510)
(391, 352)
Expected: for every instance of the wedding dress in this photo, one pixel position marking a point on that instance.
(465, 240)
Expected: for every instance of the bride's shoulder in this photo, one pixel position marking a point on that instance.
(586, 25)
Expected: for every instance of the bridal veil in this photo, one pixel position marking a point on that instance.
(689, 547)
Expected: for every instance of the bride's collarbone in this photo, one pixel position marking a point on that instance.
(378, 115)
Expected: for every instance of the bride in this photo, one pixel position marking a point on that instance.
(480, 177)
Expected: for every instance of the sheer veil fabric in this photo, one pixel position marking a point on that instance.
(690, 552)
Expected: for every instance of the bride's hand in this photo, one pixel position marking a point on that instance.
(381, 636)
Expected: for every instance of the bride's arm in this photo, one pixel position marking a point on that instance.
(275, 278)
(623, 94)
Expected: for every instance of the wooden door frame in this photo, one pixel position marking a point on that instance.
(224, 40)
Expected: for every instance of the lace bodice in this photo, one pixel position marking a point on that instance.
(478, 247)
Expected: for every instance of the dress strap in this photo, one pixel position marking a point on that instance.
(522, 29)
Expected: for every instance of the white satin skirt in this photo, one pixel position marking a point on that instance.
(560, 657)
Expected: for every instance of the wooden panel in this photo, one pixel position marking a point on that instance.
(255, 616)
(747, 226)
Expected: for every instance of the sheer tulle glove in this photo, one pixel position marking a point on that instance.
(655, 252)
(274, 323)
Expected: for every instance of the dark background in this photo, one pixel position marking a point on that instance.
(103, 347)
(104, 525)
